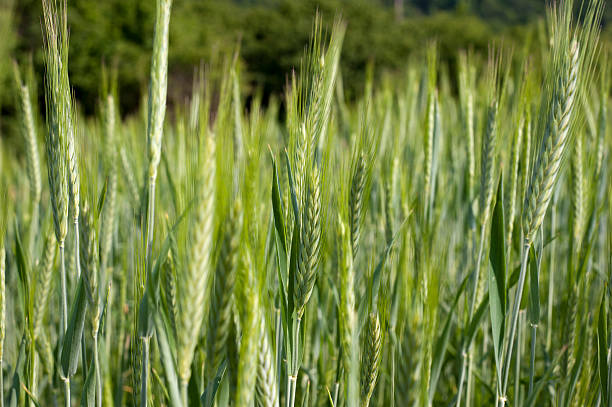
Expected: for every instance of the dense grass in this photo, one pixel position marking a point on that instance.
(423, 246)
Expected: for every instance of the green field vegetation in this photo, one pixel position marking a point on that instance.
(443, 240)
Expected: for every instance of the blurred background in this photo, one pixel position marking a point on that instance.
(270, 35)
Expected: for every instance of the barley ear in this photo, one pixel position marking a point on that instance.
(43, 284)
(158, 86)
(554, 143)
(220, 313)
(358, 181)
(266, 391)
(371, 351)
(309, 243)
(194, 279)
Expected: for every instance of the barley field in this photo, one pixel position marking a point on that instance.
(443, 240)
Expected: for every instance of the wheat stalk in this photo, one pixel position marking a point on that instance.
(348, 318)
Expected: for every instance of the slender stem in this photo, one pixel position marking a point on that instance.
(293, 367)
(167, 362)
(551, 280)
(144, 377)
(517, 371)
(1, 385)
(33, 228)
(534, 331)
(279, 344)
(150, 222)
(515, 314)
(33, 376)
(67, 391)
(474, 289)
(77, 261)
(97, 367)
(76, 248)
(184, 385)
(335, 395)
(392, 374)
(64, 324)
(468, 387)
(145, 341)
(64, 321)
(464, 357)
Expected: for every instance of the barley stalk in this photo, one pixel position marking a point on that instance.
(56, 142)
(2, 312)
(564, 82)
(348, 320)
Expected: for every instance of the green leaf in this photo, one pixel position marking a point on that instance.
(534, 289)
(569, 391)
(88, 397)
(208, 397)
(497, 278)
(294, 201)
(170, 179)
(544, 380)
(71, 344)
(15, 390)
(167, 359)
(442, 342)
(102, 198)
(602, 348)
(476, 321)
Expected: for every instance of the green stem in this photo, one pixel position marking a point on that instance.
(1, 385)
(293, 367)
(97, 367)
(551, 280)
(33, 228)
(534, 331)
(144, 376)
(150, 222)
(167, 362)
(67, 391)
(468, 388)
(279, 344)
(515, 314)
(33, 374)
(64, 321)
(64, 324)
(184, 385)
(517, 368)
(474, 290)
(464, 363)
